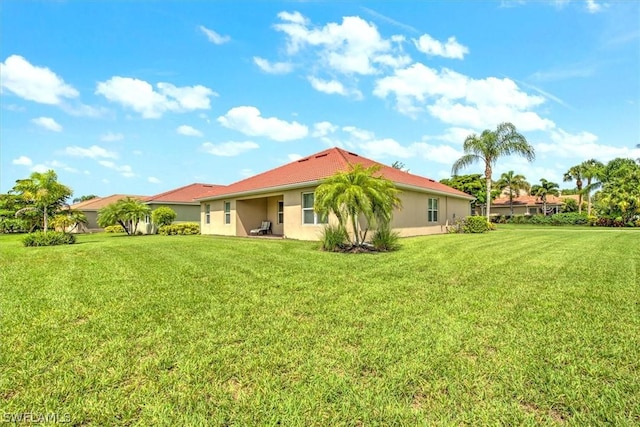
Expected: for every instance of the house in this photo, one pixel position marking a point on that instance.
(182, 200)
(285, 195)
(527, 205)
(91, 207)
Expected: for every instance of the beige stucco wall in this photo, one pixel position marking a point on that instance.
(246, 214)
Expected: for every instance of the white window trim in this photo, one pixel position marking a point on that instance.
(280, 213)
(226, 219)
(316, 216)
(207, 213)
(431, 211)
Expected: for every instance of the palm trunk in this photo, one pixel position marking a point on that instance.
(45, 220)
(488, 197)
(589, 204)
(510, 202)
(354, 224)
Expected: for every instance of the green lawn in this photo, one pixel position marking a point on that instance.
(520, 326)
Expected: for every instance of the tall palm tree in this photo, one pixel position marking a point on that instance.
(359, 192)
(546, 188)
(490, 146)
(514, 183)
(127, 212)
(576, 173)
(592, 171)
(43, 193)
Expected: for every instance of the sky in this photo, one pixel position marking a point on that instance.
(140, 97)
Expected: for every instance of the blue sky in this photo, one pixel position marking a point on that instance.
(141, 97)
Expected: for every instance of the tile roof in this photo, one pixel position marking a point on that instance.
(321, 165)
(527, 200)
(185, 194)
(100, 202)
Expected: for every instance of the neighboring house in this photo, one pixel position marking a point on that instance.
(92, 206)
(285, 195)
(181, 200)
(527, 205)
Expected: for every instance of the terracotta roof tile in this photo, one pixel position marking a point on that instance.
(185, 194)
(527, 200)
(100, 202)
(321, 165)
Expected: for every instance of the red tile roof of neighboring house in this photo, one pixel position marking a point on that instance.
(314, 168)
(528, 201)
(185, 194)
(100, 202)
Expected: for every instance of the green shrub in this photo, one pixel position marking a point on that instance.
(334, 238)
(569, 218)
(51, 238)
(13, 225)
(475, 224)
(385, 239)
(181, 228)
(114, 229)
(540, 220)
(592, 220)
(164, 215)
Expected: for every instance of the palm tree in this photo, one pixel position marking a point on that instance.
(70, 218)
(488, 147)
(358, 193)
(43, 192)
(546, 188)
(575, 173)
(592, 171)
(515, 184)
(127, 212)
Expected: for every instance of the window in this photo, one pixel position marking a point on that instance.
(432, 210)
(227, 212)
(280, 212)
(207, 213)
(308, 215)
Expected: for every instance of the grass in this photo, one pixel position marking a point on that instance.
(522, 326)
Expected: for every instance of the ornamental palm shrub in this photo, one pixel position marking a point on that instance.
(476, 224)
(385, 239)
(334, 238)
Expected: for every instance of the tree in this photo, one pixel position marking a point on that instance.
(400, 166)
(127, 212)
(359, 193)
(42, 193)
(471, 184)
(544, 189)
(84, 198)
(164, 215)
(514, 183)
(576, 173)
(69, 218)
(490, 146)
(592, 171)
(620, 194)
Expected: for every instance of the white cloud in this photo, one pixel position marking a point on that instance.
(124, 170)
(453, 135)
(451, 49)
(294, 156)
(153, 180)
(461, 100)
(47, 123)
(273, 67)
(360, 134)
(137, 152)
(83, 110)
(111, 137)
(352, 47)
(141, 96)
(442, 153)
(580, 145)
(246, 172)
(54, 164)
(229, 149)
(188, 131)
(34, 83)
(40, 168)
(594, 7)
(22, 161)
(247, 119)
(214, 37)
(93, 152)
(333, 87)
(321, 129)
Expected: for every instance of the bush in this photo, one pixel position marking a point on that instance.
(13, 225)
(569, 218)
(475, 224)
(385, 239)
(334, 238)
(163, 216)
(181, 228)
(114, 229)
(51, 238)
